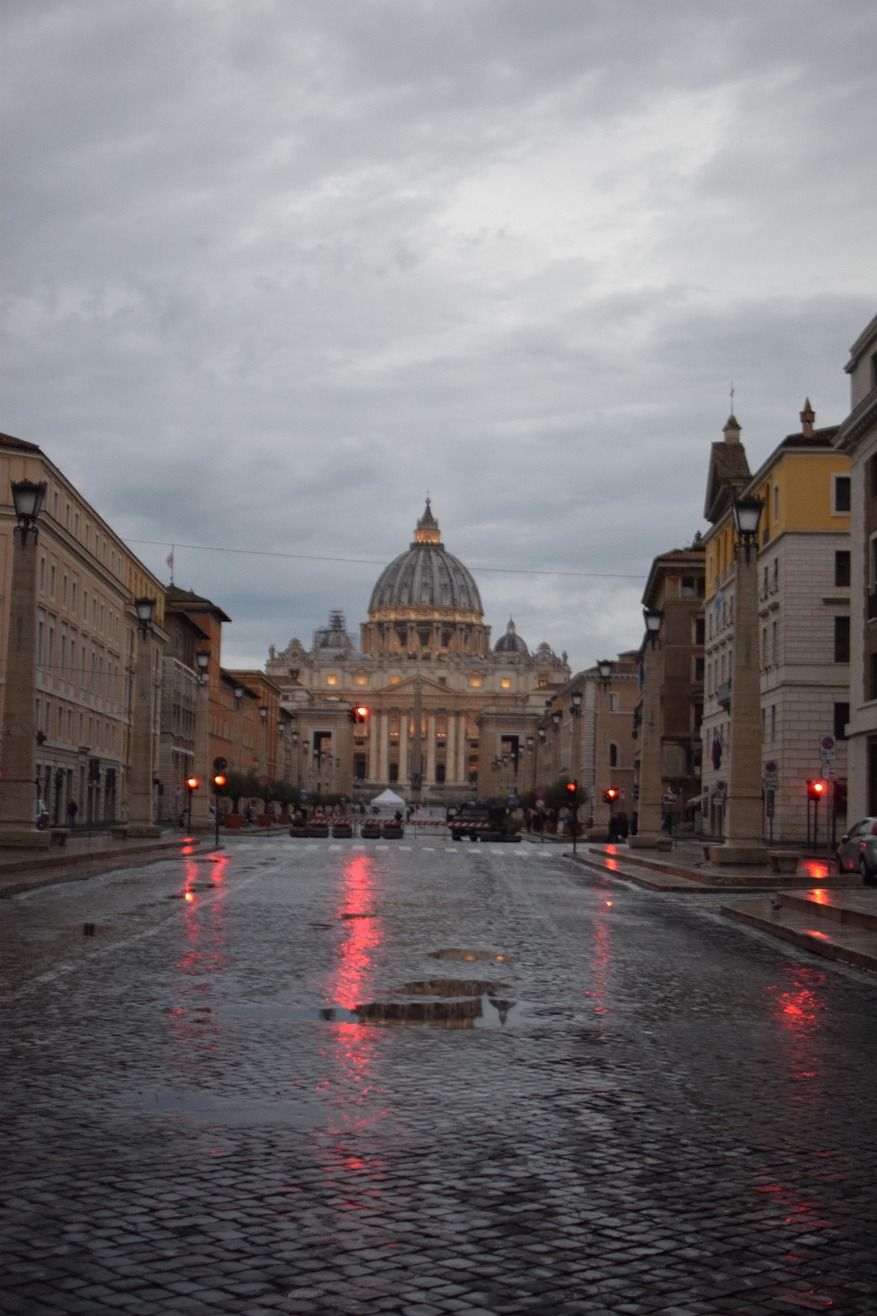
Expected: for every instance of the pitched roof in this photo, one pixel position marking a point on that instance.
(10, 441)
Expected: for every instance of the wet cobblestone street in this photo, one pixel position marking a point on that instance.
(316, 1077)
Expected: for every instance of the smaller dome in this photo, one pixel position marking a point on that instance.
(511, 642)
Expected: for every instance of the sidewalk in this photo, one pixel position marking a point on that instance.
(827, 913)
(82, 855)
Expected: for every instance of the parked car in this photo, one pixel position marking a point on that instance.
(42, 815)
(857, 849)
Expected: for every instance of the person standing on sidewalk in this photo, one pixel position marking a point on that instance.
(72, 810)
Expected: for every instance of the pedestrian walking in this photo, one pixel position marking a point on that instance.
(72, 810)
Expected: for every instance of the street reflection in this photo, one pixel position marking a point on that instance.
(356, 1102)
(192, 1019)
(600, 961)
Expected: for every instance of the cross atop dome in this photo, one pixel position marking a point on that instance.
(427, 530)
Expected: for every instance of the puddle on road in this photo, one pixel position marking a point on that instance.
(442, 1002)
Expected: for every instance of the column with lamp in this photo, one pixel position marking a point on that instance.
(140, 820)
(649, 834)
(18, 788)
(238, 752)
(199, 798)
(575, 709)
(744, 843)
(264, 777)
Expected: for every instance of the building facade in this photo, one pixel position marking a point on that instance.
(86, 643)
(857, 439)
(802, 626)
(675, 588)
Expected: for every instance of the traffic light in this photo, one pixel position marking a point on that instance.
(572, 791)
(816, 789)
(357, 713)
(610, 794)
(192, 784)
(220, 764)
(219, 780)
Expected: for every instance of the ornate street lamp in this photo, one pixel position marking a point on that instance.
(140, 781)
(27, 499)
(604, 670)
(202, 659)
(747, 514)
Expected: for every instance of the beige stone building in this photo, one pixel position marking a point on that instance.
(85, 646)
(449, 714)
(675, 589)
(857, 438)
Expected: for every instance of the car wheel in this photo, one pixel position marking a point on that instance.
(864, 869)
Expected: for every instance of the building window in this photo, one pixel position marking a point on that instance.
(776, 502)
(699, 629)
(331, 679)
(842, 567)
(841, 718)
(841, 639)
(841, 493)
(613, 703)
(613, 754)
(505, 683)
(698, 669)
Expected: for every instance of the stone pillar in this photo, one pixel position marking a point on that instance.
(18, 792)
(376, 722)
(201, 797)
(451, 749)
(743, 842)
(140, 795)
(384, 748)
(430, 747)
(651, 786)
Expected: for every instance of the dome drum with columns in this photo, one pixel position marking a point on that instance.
(442, 704)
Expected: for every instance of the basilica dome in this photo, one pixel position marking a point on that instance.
(511, 642)
(426, 580)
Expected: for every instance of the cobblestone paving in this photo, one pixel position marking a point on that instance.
(648, 1110)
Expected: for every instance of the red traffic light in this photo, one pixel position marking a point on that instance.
(816, 789)
(219, 780)
(192, 783)
(610, 794)
(358, 713)
(571, 787)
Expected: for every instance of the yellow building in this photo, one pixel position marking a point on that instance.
(803, 626)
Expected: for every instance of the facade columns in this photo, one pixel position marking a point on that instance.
(451, 749)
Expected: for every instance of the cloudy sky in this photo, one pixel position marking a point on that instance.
(274, 270)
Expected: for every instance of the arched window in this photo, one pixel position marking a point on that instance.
(613, 754)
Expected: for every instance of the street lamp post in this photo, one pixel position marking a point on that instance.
(199, 799)
(17, 793)
(649, 834)
(140, 777)
(743, 843)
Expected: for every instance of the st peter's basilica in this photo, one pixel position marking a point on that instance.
(445, 710)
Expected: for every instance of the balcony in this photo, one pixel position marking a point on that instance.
(723, 694)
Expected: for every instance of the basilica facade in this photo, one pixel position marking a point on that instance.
(445, 714)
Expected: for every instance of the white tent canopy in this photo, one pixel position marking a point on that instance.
(388, 800)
